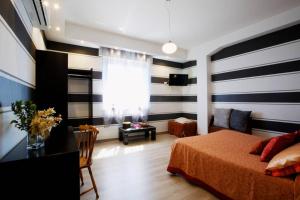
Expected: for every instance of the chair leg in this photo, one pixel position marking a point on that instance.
(93, 182)
(81, 177)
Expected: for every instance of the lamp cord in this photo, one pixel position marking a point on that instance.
(169, 14)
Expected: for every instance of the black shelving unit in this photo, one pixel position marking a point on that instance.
(85, 74)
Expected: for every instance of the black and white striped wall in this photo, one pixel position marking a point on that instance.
(261, 75)
(18, 42)
(167, 102)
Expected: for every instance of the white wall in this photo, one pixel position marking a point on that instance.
(18, 65)
(202, 53)
(190, 90)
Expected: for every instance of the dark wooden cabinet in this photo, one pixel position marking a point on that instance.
(52, 82)
(49, 173)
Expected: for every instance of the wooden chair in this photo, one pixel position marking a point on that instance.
(86, 140)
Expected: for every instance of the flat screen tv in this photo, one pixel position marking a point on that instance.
(178, 79)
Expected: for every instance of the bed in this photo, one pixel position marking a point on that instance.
(220, 163)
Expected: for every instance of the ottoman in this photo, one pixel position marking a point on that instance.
(182, 129)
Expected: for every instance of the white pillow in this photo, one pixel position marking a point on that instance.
(183, 120)
(221, 118)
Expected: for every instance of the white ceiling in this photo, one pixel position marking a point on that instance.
(193, 21)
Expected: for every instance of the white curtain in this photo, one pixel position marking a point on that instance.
(126, 85)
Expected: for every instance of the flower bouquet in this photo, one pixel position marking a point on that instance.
(43, 121)
(37, 124)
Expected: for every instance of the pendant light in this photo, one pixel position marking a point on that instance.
(169, 47)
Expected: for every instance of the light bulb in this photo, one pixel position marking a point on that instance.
(169, 47)
(56, 6)
(46, 3)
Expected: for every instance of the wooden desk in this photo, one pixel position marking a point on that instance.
(49, 173)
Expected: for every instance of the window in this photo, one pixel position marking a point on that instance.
(126, 85)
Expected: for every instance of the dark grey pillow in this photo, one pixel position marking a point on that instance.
(239, 120)
(221, 117)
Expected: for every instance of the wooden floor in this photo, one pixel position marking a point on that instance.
(138, 172)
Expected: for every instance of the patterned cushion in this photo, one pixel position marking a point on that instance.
(221, 118)
(239, 120)
(258, 148)
(289, 170)
(182, 120)
(276, 145)
(286, 162)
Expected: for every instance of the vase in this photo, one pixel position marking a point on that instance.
(35, 141)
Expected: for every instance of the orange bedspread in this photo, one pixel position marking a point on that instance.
(222, 161)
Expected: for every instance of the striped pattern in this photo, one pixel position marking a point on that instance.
(189, 64)
(261, 75)
(167, 63)
(275, 125)
(192, 81)
(84, 98)
(10, 15)
(98, 75)
(156, 98)
(278, 97)
(167, 102)
(163, 80)
(276, 38)
(58, 46)
(286, 67)
(78, 73)
(174, 64)
(17, 70)
(151, 117)
(153, 98)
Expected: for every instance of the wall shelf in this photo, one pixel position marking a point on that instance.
(89, 75)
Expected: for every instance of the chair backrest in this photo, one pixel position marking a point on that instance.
(86, 140)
